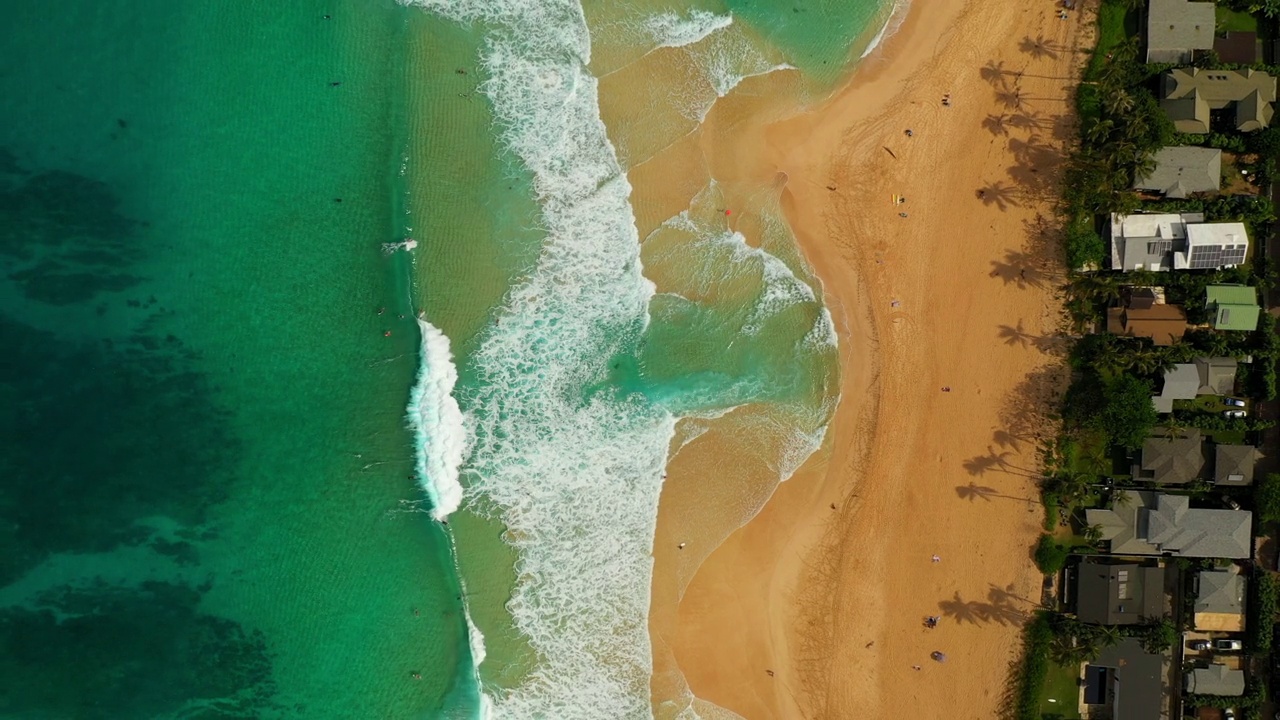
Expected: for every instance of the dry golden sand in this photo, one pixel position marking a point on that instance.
(958, 294)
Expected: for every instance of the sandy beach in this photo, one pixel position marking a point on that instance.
(947, 319)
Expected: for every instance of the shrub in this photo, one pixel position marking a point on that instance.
(1262, 622)
(1028, 680)
(1083, 245)
(1050, 556)
(1266, 498)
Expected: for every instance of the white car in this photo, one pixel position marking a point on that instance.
(1233, 402)
(1234, 413)
(1228, 645)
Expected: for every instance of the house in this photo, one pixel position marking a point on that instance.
(1128, 681)
(1167, 241)
(1217, 375)
(1171, 459)
(1164, 324)
(1219, 604)
(1233, 307)
(1216, 679)
(1126, 594)
(1181, 382)
(1176, 29)
(1191, 94)
(1151, 523)
(1182, 170)
(1233, 465)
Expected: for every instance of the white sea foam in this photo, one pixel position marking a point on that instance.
(574, 475)
(437, 422)
(823, 332)
(897, 15)
(670, 29)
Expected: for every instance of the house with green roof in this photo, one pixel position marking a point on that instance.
(1233, 307)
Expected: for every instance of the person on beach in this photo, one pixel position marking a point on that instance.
(935, 558)
(916, 667)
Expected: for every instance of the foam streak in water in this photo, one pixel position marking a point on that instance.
(573, 473)
(433, 414)
(669, 29)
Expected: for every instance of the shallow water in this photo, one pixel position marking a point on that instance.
(234, 412)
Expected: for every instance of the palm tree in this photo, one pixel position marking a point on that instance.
(1109, 635)
(1118, 102)
(1093, 534)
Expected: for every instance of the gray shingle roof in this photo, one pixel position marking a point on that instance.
(1172, 461)
(1221, 591)
(1215, 680)
(1176, 27)
(1217, 375)
(1152, 523)
(1233, 464)
(1189, 94)
(1182, 170)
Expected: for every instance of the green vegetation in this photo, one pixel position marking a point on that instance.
(1229, 20)
(1062, 685)
(1156, 636)
(1028, 680)
(1266, 499)
(1050, 556)
(1119, 406)
(1113, 16)
(1266, 595)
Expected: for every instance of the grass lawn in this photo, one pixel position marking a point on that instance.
(1113, 28)
(1061, 685)
(1228, 19)
(1092, 454)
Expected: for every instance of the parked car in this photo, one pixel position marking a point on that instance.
(1233, 402)
(1228, 645)
(1229, 714)
(1234, 413)
(1199, 645)
(1230, 501)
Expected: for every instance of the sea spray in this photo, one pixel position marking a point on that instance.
(572, 468)
(670, 29)
(437, 423)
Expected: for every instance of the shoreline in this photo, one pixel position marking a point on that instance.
(800, 595)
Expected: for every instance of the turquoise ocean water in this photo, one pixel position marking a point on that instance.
(235, 409)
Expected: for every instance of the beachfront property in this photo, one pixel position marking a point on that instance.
(1233, 465)
(1168, 241)
(1174, 458)
(1217, 679)
(1233, 307)
(1202, 376)
(1219, 603)
(1181, 382)
(1190, 95)
(1182, 170)
(1152, 523)
(1124, 594)
(1176, 29)
(1217, 375)
(1164, 324)
(1126, 682)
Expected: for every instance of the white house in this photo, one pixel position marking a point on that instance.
(1175, 242)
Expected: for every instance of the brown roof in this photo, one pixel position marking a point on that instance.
(1237, 47)
(1164, 324)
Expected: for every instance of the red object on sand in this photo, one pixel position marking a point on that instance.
(728, 212)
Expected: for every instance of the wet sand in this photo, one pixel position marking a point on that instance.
(814, 608)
